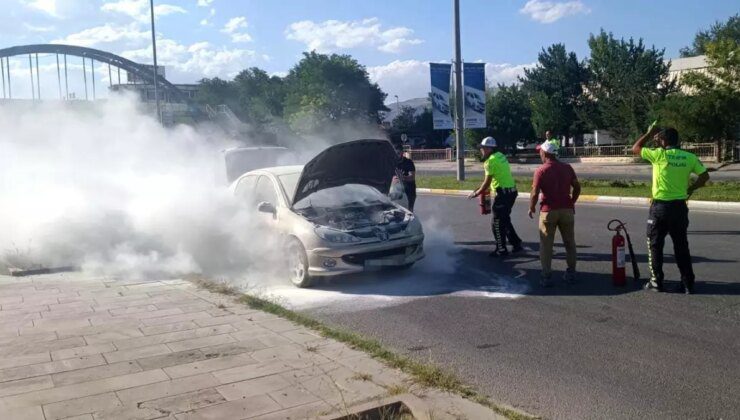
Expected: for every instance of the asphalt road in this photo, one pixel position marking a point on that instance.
(585, 351)
(584, 171)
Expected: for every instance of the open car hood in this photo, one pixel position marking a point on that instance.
(366, 162)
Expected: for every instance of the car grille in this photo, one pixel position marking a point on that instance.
(362, 257)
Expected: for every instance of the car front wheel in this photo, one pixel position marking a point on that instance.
(298, 264)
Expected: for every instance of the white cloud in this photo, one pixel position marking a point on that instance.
(195, 61)
(47, 6)
(549, 12)
(332, 35)
(206, 21)
(105, 34)
(233, 28)
(204, 3)
(139, 9)
(33, 28)
(410, 78)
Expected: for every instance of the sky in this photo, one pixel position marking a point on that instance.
(394, 39)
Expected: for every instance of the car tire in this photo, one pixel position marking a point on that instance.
(298, 264)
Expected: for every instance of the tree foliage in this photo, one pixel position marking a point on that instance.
(554, 87)
(324, 89)
(626, 80)
(719, 30)
(405, 121)
(509, 115)
(260, 95)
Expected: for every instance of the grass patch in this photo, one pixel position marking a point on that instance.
(425, 374)
(713, 191)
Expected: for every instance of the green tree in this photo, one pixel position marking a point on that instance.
(325, 89)
(626, 80)
(260, 95)
(719, 30)
(509, 115)
(405, 120)
(554, 87)
(710, 110)
(216, 92)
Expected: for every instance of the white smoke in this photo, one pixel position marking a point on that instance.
(110, 190)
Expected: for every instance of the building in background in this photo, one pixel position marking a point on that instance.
(145, 90)
(679, 67)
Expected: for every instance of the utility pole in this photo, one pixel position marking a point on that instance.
(459, 119)
(154, 50)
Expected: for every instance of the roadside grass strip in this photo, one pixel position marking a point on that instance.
(425, 374)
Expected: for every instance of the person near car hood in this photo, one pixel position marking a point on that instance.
(499, 179)
(407, 170)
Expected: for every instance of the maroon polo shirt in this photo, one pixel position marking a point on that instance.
(554, 179)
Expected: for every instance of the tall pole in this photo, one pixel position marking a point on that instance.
(38, 81)
(30, 69)
(84, 75)
(7, 69)
(154, 51)
(459, 119)
(59, 78)
(2, 68)
(92, 72)
(66, 79)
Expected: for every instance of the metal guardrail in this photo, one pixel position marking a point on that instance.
(705, 151)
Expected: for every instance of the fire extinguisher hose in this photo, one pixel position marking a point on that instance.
(619, 225)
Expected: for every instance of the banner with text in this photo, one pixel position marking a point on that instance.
(474, 80)
(441, 112)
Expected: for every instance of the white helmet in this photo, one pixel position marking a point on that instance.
(488, 142)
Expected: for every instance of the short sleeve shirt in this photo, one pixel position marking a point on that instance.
(497, 166)
(672, 169)
(406, 166)
(554, 180)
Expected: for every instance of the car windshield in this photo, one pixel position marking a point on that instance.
(342, 196)
(289, 182)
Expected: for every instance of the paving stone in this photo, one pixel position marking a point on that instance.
(132, 396)
(161, 329)
(111, 325)
(196, 343)
(235, 348)
(252, 387)
(48, 368)
(83, 389)
(133, 309)
(209, 365)
(82, 405)
(302, 336)
(32, 348)
(54, 324)
(257, 370)
(292, 396)
(26, 359)
(247, 407)
(273, 340)
(137, 353)
(20, 340)
(82, 351)
(22, 413)
(112, 336)
(173, 336)
(279, 325)
(251, 334)
(130, 413)
(303, 412)
(185, 402)
(21, 386)
(177, 318)
(156, 314)
(95, 373)
(171, 359)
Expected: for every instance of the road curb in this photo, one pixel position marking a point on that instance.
(725, 206)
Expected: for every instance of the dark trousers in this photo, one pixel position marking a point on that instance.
(410, 195)
(501, 222)
(669, 218)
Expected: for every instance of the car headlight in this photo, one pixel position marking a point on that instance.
(337, 236)
(414, 227)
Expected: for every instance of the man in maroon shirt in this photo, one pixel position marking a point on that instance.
(560, 190)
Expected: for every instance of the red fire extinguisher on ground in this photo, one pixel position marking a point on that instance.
(619, 277)
(484, 201)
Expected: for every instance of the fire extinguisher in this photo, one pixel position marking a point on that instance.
(484, 201)
(618, 253)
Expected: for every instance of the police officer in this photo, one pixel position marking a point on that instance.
(553, 140)
(669, 214)
(498, 177)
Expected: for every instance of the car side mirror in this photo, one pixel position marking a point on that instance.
(266, 207)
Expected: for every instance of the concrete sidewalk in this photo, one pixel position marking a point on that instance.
(80, 347)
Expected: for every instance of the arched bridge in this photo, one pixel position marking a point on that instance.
(142, 72)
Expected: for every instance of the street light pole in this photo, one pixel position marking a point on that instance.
(397, 105)
(154, 50)
(459, 120)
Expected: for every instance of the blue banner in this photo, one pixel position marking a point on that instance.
(474, 80)
(440, 96)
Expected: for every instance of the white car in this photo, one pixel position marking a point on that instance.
(475, 102)
(333, 214)
(439, 103)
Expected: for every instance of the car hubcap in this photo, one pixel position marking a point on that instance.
(298, 270)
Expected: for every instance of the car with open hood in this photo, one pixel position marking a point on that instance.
(333, 215)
